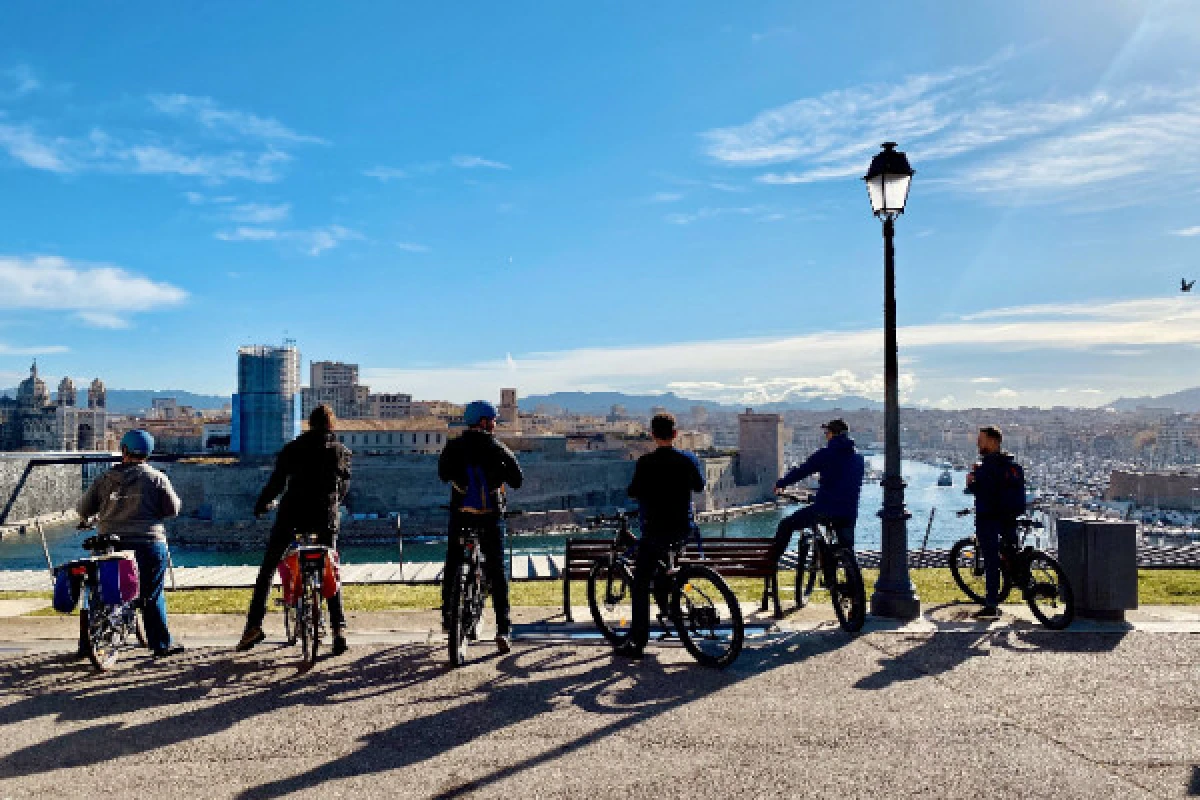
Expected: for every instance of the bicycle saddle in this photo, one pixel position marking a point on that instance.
(102, 541)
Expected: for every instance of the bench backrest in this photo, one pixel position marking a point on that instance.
(749, 557)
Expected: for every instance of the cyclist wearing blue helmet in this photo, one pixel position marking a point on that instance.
(478, 466)
(131, 501)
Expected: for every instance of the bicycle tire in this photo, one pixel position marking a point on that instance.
(460, 614)
(846, 590)
(139, 629)
(966, 564)
(290, 634)
(1053, 592)
(313, 623)
(806, 571)
(95, 628)
(698, 617)
(609, 593)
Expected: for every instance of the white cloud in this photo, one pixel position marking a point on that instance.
(682, 218)
(985, 380)
(159, 160)
(26, 146)
(412, 247)
(313, 241)
(1192, 231)
(665, 197)
(474, 162)
(385, 174)
(34, 350)
(259, 213)
(22, 79)
(832, 362)
(206, 112)
(1043, 149)
(100, 295)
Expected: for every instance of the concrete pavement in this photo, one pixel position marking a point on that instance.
(954, 710)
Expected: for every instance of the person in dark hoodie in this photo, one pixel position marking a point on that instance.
(478, 466)
(313, 473)
(841, 469)
(994, 482)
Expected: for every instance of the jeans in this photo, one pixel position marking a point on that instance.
(806, 518)
(495, 565)
(646, 573)
(991, 534)
(282, 536)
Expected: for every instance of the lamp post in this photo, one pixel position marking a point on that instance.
(888, 180)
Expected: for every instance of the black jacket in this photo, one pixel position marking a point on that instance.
(663, 482)
(313, 472)
(989, 485)
(478, 448)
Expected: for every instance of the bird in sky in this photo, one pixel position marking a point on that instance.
(1185, 286)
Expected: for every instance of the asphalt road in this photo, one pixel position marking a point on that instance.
(1004, 713)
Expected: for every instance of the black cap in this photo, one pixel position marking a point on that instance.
(836, 426)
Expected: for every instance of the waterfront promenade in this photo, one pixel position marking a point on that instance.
(939, 707)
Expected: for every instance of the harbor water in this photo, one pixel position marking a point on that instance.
(922, 495)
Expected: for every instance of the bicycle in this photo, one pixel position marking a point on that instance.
(1039, 577)
(469, 591)
(104, 628)
(305, 618)
(820, 554)
(701, 607)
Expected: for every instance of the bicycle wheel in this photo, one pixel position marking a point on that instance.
(314, 621)
(1049, 593)
(609, 592)
(139, 628)
(966, 566)
(101, 639)
(290, 632)
(462, 604)
(707, 615)
(846, 589)
(806, 570)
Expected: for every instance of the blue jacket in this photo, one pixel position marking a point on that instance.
(841, 469)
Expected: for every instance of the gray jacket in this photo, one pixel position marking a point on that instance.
(131, 501)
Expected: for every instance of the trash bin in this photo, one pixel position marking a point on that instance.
(1100, 560)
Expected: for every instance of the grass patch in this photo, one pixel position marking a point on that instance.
(935, 586)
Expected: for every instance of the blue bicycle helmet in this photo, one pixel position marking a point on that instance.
(477, 412)
(137, 442)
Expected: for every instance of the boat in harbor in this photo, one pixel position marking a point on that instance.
(946, 478)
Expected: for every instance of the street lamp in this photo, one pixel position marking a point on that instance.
(888, 180)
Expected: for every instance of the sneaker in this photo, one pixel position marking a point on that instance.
(987, 612)
(629, 650)
(249, 639)
(172, 650)
(339, 644)
(503, 643)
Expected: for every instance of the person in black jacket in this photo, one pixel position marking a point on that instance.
(313, 472)
(995, 520)
(663, 482)
(478, 466)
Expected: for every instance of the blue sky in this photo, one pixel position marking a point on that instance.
(623, 196)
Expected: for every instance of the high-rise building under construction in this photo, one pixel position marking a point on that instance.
(266, 408)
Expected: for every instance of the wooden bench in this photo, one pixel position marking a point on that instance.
(732, 558)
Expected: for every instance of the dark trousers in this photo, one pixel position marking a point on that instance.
(152, 562)
(495, 565)
(806, 518)
(647, 573)
(992, 534)
(282, 536)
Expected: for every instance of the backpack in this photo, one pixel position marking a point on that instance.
(478, 497)
(1012, 492)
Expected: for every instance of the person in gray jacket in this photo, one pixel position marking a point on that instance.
(131, 501)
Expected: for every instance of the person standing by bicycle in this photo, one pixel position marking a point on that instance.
(663, 482)
(841, 468)
(313, 473)
(478, 466)
(998, 485)
(131, 501)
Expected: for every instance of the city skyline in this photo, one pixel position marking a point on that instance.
(633, 201)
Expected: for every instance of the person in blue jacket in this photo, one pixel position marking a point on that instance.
(841, 469)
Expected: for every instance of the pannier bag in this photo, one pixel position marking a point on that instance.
(68, 579)
(289, 577)
(118, 580)
(331, 580)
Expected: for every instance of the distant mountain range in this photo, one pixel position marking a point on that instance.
(1187, 400)
(133, 401)
(641, 404)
